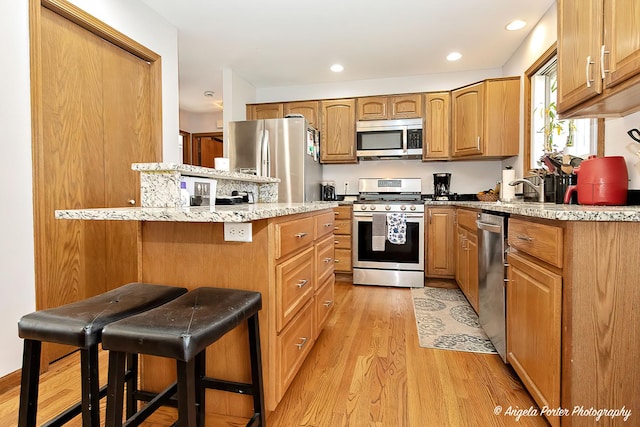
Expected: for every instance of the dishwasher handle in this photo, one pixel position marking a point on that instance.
(493, 228)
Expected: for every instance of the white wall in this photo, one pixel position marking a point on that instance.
(17, 291)
(17, 283)
(201, 122)
(618, 143)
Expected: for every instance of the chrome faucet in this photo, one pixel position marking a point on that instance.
(538, 188)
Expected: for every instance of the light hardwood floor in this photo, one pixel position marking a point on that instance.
(366, 369)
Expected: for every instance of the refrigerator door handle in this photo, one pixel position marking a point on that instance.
(266, 155)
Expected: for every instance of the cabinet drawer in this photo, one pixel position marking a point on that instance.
(539, 240)
(293, 235)
(467, 219)
(295, 283)
(343, 260)
(324, 259)
(342, 241)
(324, 304)
(324, 224)
(292, 346)
(342, 226)
(342, 212)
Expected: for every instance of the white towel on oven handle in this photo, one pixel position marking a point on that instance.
(397, 228)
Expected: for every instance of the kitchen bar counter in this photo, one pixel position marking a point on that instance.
(221, 213)
(553, 211)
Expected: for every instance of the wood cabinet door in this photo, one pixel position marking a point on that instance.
(580, 37)
(534, 305)
(468, 119)
(338, 135)
(266, 111)
(309, 109)
(373, 108)
(440, 240)
(405, 106)
(437, 128)
(621, 40)
(462, 261)
(502, 118)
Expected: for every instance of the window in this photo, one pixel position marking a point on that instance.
(546, 133)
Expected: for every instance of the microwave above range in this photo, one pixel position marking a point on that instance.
(389, 139)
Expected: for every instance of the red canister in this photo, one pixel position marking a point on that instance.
(601, 181)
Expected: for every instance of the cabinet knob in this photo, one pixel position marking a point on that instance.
(301, 235)
(329, 224)
(132, 202)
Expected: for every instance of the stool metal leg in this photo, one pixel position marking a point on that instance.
(115, 389)
(90, 386)
(256, 368)
(186, 393)
(29, 383)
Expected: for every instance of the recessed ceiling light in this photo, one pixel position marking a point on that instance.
(336, 68)
(208, 93)
(516, 25)
(454, 56)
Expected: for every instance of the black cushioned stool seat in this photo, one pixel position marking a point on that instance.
(80, 324)
(181, 330)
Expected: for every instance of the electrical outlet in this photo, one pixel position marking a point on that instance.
(237, 232)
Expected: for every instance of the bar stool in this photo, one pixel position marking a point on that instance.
(181, 330)
(80, 324)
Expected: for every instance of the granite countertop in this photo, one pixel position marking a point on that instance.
(219, 213)
(553, 211)
(191, 170)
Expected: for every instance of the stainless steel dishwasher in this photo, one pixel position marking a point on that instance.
(492, 248)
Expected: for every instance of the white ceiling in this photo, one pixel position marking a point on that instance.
(274, 43)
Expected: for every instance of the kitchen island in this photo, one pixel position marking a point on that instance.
(289, 260)
(572, 298)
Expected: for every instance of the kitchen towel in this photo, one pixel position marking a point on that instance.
(508, 192)
(378, 231)
(397, 228)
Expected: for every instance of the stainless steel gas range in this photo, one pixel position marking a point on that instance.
(388, 233)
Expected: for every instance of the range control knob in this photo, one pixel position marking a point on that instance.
(413, 208)
(388, 207)
(363, 207)
(403, 208)
(373, 207)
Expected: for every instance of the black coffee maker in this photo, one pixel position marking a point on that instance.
(441, 184)
(328, 191)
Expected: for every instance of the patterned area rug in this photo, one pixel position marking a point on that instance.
(445, 320)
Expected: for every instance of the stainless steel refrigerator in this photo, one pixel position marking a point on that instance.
(281, 148)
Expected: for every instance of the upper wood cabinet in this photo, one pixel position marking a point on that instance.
(486, 118)
(437, 126)
(309, 109)
(338, 134)
(598, 57)
(265, 111)
(407, 106)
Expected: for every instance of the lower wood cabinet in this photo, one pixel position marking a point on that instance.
(466, 255)
(342, 236)
(440, 242)
(534, 309)
(292, 347)
(534, 305)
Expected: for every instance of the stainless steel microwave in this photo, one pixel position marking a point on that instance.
(389, 139)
